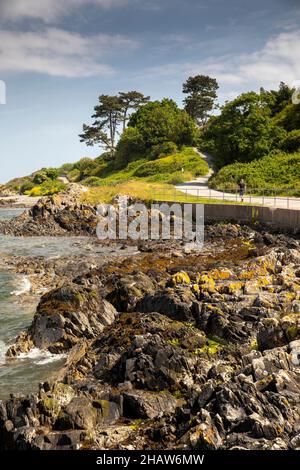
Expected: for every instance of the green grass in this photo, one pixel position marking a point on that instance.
(143, 178)
(144, 191)
(146, 180)
(171, 169)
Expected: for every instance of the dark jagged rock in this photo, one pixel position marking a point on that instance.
(177, 304)
(64, 316)
(143, 405)
(151, 352)
(125, 291)
(56, 215)
(278, 332)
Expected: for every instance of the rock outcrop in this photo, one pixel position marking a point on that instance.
(54, 216)
(170, 350)
(63, 317)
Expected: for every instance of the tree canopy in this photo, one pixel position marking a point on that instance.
(243, 131)
(108, 115)
(201, 97)
(162, 121)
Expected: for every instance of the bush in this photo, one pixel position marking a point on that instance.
(92, 181)
(163, 150)
(52, 173)
(74, 175)
(131, 146)
(48, 188)
(291, 143)
(26, 187)
(278, 170)
(179, 177)
(65, 169)
(40, 177)
(163, 168)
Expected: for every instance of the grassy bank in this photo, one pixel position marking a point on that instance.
(106, 173)
(171, 169)
(145, 191)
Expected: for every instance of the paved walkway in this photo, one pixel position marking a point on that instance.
(199, 187)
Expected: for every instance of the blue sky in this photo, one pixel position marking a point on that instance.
(57, 56)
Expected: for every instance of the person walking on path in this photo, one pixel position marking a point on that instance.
(242, 186)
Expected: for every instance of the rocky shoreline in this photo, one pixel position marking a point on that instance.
(57, 215)
(167, 348)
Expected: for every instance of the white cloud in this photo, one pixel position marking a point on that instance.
(278, 60)
(59, 53)
(47, 10)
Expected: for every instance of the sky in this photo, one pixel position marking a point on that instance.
(58, 56)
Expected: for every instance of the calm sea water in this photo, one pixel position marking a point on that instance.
(23, 374)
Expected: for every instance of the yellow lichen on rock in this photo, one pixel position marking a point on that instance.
(206, 283)
(181, 278)
(233, 288)
(262, 266)
(196, 288)
(221, 274)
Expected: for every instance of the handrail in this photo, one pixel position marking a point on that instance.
(261, 197)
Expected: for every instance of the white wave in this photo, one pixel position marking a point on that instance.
(51, 358)
(3, 349)
(40, 357)
(25, 287)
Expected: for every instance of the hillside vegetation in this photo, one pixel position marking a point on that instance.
(256, 137)
(156, 148)
(278, 171)
(175, 168)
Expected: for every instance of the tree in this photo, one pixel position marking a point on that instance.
(202, 94)
(85, 165)
(163, 121)
(131, 100)
(280, 98)
(243, 131)
(108, 115)
(130, 146)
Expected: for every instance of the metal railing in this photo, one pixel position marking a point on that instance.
(260, 197)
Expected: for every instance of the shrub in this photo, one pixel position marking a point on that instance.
(163, 150)
(48, 188)
(278, 170)
(163, 168)
(65, 169)
(131, 146)
(40, 177)
(52, 173)
(291, 143)
(92, 181)
(26, 187)
(74, 175)
(179, 177)
(85, 166)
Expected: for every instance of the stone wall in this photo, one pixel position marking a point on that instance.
(273, 216)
